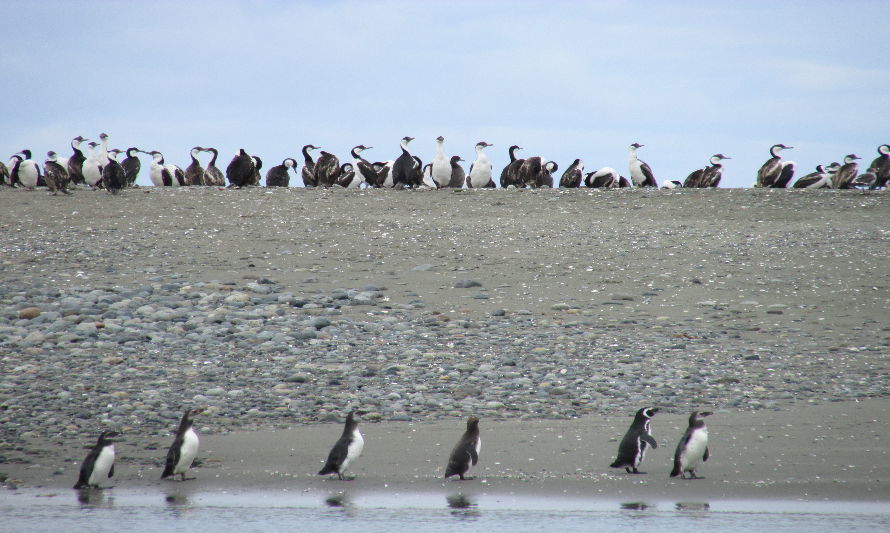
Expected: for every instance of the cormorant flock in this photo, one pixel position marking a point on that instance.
(99, 168)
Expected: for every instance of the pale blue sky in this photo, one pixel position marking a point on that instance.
(562, 79)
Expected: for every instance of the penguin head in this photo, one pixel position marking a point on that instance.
(472, 422)
(106, 437)
(647, 412)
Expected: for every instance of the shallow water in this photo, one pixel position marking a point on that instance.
(115, 510)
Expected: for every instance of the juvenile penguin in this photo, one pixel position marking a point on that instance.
(184, 448)
(466, 453)
(693, 447)
(346, 450)
(633, 446)
(99, 463)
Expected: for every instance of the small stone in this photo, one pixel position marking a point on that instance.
(29, 313)
(560, 307)
(466, 284)
(498, 312)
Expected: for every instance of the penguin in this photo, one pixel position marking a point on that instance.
(184, 448)
(99, 463)
(480, 169)
(441, 168)
(308, 173)
(510, 173)
(113, 176)
(56, 174)
(194, 173)
(75, 162)
(327, 170)
(240, 170)
(640, 173)
(458, 176)
(692, 449)
(466, 452)
(632, 448)
(571, 178)
(132, 165)
(769, 172)
(346, 450)
(278, 175)
(212, 174)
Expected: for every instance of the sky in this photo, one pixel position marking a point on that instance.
(564, 80)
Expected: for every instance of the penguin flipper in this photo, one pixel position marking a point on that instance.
(707, 454)
(335, 458)
(676, 471)
(650, 440)
(474, 457)
(111, 472)
(172, 457)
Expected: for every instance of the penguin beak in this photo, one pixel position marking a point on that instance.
(706, 413)
(654, 410)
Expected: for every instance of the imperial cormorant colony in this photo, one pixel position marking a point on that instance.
(99, 168)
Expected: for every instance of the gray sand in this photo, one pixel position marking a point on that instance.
(769, 306)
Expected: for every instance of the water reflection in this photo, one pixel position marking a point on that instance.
(693, 508)
(341, 501)
(636, 506)
(462, 507)
(94, 498)
(178, 504)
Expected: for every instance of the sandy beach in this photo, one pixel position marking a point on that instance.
(552, 315)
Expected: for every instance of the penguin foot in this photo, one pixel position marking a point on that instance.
(467, 478)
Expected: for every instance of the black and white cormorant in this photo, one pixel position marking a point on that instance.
(4, 174)
(279, 175)
(26, 171)
(132, 165)
(545, 179)
(480, 169)
(347, 176)
(99, 463)
(365, 172)
(427, 176)
(91, 171)
(820, 179)
(510, 173)
(536, 172)
(308, 172)
(184, 449)
(845, 175)
(771, 171)
(604, 178)
(384, 173)
(441, 167)
(240, 170)
(212, 174)
(114, 178)
(327, 170)
(103, 150)
(194, 173)
(56, 176)
(572, 177)
(672, 184)
(255, 175)
(640, 173)
(404, 171)
(709, 176)
(880, 167)
(75, 162)
(346, 450)
(458, 176)
(14, 161)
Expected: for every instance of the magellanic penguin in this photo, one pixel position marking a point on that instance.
(466, 453)
(693, 447)
(346, 450)
(184, 448)
(632, 448)
(99, 463)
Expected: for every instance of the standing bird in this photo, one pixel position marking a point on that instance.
(632, 448)
(604, 178)
(308, 173)
(327, 170)
(880, 167)
(771, 170)
(92, 172)
(132, 165)
(403, 171)
(640, 173)
(103, 150)
(184, 448)
(114, 178)
(480, 170)
(458, 176)
(346, 450)
(212, 174)
(466, 452)
(4, 174)
(365, 170)
(26, 172)
(571, 178)
(14, 163)
(692, 449)
(75, 162)
(255, 175)
(441, 168)
(847, 173)
(99, 463)
(510, 173)
(160, 174)
(240, 170)
(278, 176)
(56, 175)
(194, 173)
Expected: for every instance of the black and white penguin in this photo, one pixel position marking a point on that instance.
(632, 448)
(184, 448)
(132, 165)
(692, 450)
(640, 173)
(510, 173)
(480, 169)
(91, 171)
(458, 176)
(75, 162)
(346, 450)
(240, 170)
(308, 172)
(56, 176)
(403, 171)
(212, 174)
(279, 175)
(114, 178)
(604, 178)
(26, 171)
(880, 167)
(327, 170)
(771, 170)
(466, 452)
(441, 167)
(194, 173)
(99, 463)
(572, 177)
(847, 173)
